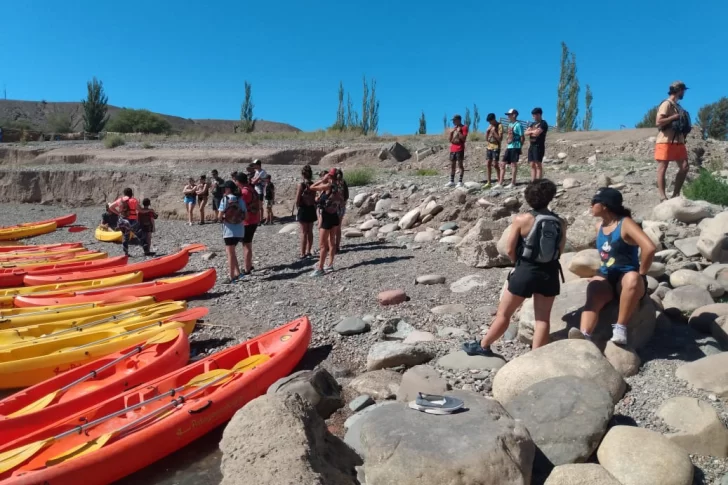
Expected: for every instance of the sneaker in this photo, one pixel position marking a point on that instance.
(510, 186)
(450, 184)
(576, 334)
(460, 184)
(497, 186)
(474, 348)
(329, 269)
(486, 186)
(434, 404)
(619, 334)
(317, 272)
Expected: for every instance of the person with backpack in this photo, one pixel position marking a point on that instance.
(626, 254)
(493, 136)
(217, 189)
(307, 214)
(457, 137)
(252, 219)
(330, 205)
(535, 243)
(536, 133)
(231, 213)
(673, 123)
(147, 216)
(127, 208)
(515, 141)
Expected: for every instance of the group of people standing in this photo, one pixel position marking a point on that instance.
(132, 219)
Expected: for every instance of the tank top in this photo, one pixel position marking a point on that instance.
(616, 255)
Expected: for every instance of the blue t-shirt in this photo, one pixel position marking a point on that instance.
(232, 230)
(517, 130)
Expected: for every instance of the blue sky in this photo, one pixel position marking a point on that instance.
(191, 58)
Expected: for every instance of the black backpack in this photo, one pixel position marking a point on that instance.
(542, 245)
(683, 124)
(233, 214)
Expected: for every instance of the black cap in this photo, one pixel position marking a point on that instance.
(457, 117)
(229, 184)
(490, 117)
(536, 111)
(677, 86)
(609, 198)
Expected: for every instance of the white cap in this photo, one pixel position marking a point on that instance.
(512, 112)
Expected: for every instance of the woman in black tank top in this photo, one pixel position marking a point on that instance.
(529, 278)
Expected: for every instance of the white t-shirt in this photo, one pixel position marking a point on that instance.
(260, 175)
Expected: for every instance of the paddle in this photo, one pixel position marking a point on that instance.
(77, 228)
(194, 248)
(17, 456)
(43, 402)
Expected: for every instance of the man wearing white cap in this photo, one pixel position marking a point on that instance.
(513, 151)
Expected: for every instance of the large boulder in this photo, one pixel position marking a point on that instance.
(713, 240)
(686, 277)
(399, 152)
(384, 355)
(566, 417)
(318, 387)
(582, 233)
(478, 249)
(566, 313)
(578, 358)
(483, 445)
(702, 319)
(637, 456)
(421, 378)
(623, 359)
(655, 230)
(681, 209)
(380, 384)
(280, 439)
(719, 331)
(409, 219)
(685, 300)
(709, 374)
(581, 474)
(585, 263)
(468, 283)
(565, 261)
(698, 428)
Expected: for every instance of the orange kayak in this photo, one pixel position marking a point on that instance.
(151, 268)
(60, 221)
(39, 247)
(142, 425)
(47, 401)
(177, 288)
(24, 256)
(15, 276)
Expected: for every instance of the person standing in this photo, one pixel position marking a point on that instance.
(231, 213)
(670, 142)
(494, 136)
(259, 175)
(536, 133)
(217, 189)
(127, 208)
(458, 135)
(190, 198)
(307, 213)
(203, 194)
(513, 151)
(330, 203)
(252, 219)
(147, 216)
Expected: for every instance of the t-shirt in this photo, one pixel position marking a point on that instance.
(260, 175)
(459, 147)
(270, 192)
(539, 140)
(494, 144)
(253, 217)
(231, 230)
(217, 187)
(515, 132)
(665, 135)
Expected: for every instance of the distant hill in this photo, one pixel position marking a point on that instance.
(37, 113)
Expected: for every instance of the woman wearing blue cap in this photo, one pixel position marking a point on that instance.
(623, 272)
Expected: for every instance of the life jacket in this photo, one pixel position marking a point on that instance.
(308, 196)
(129, 208)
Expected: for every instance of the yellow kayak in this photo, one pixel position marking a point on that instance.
(106, 235)
(15, 233)
(7, 295)
(27, 365)
(23, 317)
(54, 331)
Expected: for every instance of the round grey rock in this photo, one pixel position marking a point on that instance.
(351, 326)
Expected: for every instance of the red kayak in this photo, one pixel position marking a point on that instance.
(151, 268)
(60, 221)
(177, 288)
(47, 402)
(125, 433)
(11, 277)
(40, 247)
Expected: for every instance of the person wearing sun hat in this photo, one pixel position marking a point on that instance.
(626, 254)
(670, 143)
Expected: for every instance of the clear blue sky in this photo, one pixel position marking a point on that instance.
(191, 58)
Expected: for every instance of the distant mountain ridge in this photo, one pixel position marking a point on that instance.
(37, 114)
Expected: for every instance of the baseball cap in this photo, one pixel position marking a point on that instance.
(490, 117)
(256, 161)
(512, 112)
(677, 86)
(609, 198)
(457, 117)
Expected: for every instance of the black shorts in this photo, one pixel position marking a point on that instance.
(457, 156)
(216, 203)
(329, 221)
(147, 228)
(511, 155)
(232, 241)
(492, 155)
(536, 153)
(260, 195)
(202, 198)
(614, 279)
(249, 233)
(528, 279)
(307, 214)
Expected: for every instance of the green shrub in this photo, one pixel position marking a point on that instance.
(359, 176)
(427, 172)
(113, 141)
(707, 187)
(147, 146)
(138, 121)
(60, 122)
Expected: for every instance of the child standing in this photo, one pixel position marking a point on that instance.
(190, 197)
(270, 197)
(147, 216)
(231, 213)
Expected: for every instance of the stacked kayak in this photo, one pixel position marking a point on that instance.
(30, 229)
(136, 427)
(15, 276)
(61, 221)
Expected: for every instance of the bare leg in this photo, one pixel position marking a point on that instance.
(202, 210)
(598, 294)
(489, 169)
(336, 238)
(324, 241)
(633, 289)
(308, 228)
(501, 173)
(661, 171)
(542, 311)
(461, 170)
(514, 172)
(304, 237)
(507, 307)
(539, 170)
(534, 171)
(248, 256)
(233, 267)
(332, 246)
(682, 172)
(190, 208)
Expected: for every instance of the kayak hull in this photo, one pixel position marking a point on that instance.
(179, 288)
(39, 247)
(151, 363)
(16, 276)
(13, 234)
(196, 416)
(61, 221)
(150, 269)
(107, 236)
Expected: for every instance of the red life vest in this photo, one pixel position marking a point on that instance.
(133, 205)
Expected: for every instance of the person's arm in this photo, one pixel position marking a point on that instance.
(498, 133)
(221, 209)
(464, 132)
(534, 130)
(322, 185)
(114, 207)
(663, 119)
(633, 233)
(562, 246)
(299, 192)
(513, 235)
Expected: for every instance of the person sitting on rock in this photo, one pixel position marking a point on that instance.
(623, 273)
(108, 219)
(535, 243)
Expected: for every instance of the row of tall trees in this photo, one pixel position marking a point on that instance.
(567, 99)
(349, 119)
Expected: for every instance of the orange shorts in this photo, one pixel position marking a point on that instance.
(670, 152)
